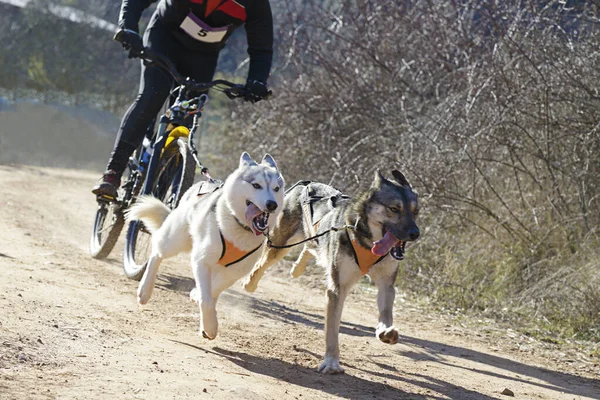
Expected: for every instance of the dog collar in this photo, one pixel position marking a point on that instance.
(246, 227)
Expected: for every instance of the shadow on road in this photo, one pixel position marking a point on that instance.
(343, 386)
(175, 283)
(519, 372)
(425, 350)
(288, 315)
(266, 309)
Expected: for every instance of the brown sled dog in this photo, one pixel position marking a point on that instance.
(377, 223)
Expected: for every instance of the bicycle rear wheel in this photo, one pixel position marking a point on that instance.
(174, 176)
(108, 224)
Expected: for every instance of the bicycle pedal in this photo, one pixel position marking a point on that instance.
(105, 198)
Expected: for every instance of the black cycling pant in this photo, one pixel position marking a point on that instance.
(155, 86)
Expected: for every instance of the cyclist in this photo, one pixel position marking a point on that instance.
(190, 33)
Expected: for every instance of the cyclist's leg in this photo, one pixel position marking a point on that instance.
(155, 85)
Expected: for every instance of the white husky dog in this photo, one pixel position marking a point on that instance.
(222, 226)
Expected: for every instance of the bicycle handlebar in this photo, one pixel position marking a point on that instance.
(234, 90)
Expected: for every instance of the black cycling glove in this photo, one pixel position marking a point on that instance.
(131, 40)
(255, 91)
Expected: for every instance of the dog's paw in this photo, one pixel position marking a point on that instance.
(208, 333)
(209, 324)
(388, 335)
(195, 295)
(300, 264)
(250, 285)
(297, 269)
(205, 336)
(143, 295)
(330, 365)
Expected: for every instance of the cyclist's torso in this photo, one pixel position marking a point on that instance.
(206, 31)
(196, 28)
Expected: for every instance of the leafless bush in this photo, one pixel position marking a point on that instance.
(491, 107)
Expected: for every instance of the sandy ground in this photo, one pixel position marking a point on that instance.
(70, 327)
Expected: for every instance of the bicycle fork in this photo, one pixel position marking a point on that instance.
(156, 149)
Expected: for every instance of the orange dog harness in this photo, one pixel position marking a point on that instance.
(364, 257)
(231, 254)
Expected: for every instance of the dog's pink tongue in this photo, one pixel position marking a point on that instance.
(385, 244)
(252, 212)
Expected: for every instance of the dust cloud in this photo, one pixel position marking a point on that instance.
(55, 135)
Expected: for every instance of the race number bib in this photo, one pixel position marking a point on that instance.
(199, 30)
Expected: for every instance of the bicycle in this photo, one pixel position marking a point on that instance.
(164, 166)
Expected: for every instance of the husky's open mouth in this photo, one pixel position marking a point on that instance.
(389, 244)
(258, 220)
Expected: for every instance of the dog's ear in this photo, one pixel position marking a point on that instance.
(378, 180)
(400, 178)
(270, 161)
(245, 159)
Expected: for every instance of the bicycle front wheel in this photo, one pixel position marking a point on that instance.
(175, 174)
(109, 219)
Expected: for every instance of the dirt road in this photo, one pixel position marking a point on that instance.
(70, 327)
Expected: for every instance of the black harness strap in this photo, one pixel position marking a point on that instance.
(223, 246)
(308, 212)
(356, 255)
(271, 245)
(223, 243)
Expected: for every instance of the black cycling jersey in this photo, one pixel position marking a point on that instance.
(227, 15)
